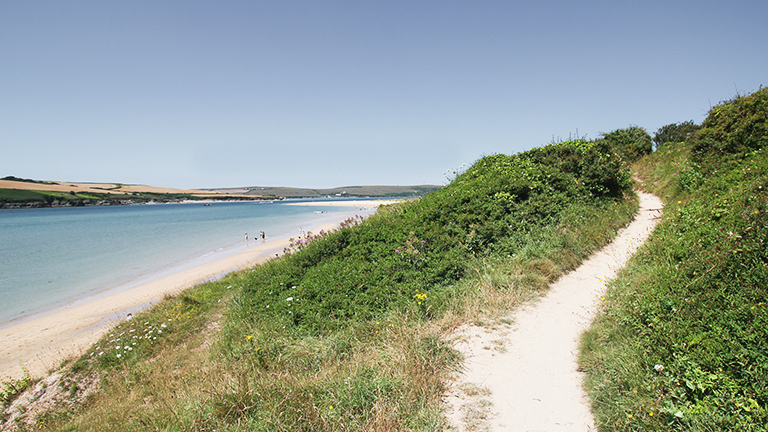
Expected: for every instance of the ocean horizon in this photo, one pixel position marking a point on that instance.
(51, 257)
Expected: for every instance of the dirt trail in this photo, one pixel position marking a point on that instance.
(524, 377)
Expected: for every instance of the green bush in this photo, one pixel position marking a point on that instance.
(631, 143)
(11, 388)
(675, 132)
(732, 130)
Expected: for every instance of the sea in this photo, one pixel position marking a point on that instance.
(50, 257)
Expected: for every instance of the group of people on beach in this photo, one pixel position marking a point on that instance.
(262, 235)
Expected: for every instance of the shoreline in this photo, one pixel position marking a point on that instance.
(40, 342)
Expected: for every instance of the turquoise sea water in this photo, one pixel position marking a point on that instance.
(53, 256)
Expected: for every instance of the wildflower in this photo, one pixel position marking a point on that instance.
(289, 299)
(659, 368)
(119, 355)
(249, 336)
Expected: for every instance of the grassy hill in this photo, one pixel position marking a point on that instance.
(19, 192)
(347, 331)
(683, 344)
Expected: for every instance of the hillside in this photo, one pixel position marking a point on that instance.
(682, 344)
(19, 193)
(347, 331)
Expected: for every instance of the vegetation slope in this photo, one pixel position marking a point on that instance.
(682, 344)
(348, 331)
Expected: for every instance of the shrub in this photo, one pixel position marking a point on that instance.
(732, 130)
(675, 132)
(632, 143)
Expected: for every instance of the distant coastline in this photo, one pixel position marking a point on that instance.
(113, 202)
(18, 193)
(26, 193)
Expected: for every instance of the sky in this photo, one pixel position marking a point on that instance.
(320, 94)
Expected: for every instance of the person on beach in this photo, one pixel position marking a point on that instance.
(263, 236)
(246, 237)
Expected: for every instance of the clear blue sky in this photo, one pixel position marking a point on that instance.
(196, 94)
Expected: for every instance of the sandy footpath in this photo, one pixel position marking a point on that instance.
(525, 377)
(42, 343)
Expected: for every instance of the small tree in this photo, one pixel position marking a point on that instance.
(675, 132)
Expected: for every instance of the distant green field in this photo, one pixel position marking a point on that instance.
(18, 197)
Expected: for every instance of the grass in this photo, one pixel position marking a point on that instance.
(348, 331)
(682, 344)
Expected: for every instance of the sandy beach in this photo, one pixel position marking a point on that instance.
(42, 342)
